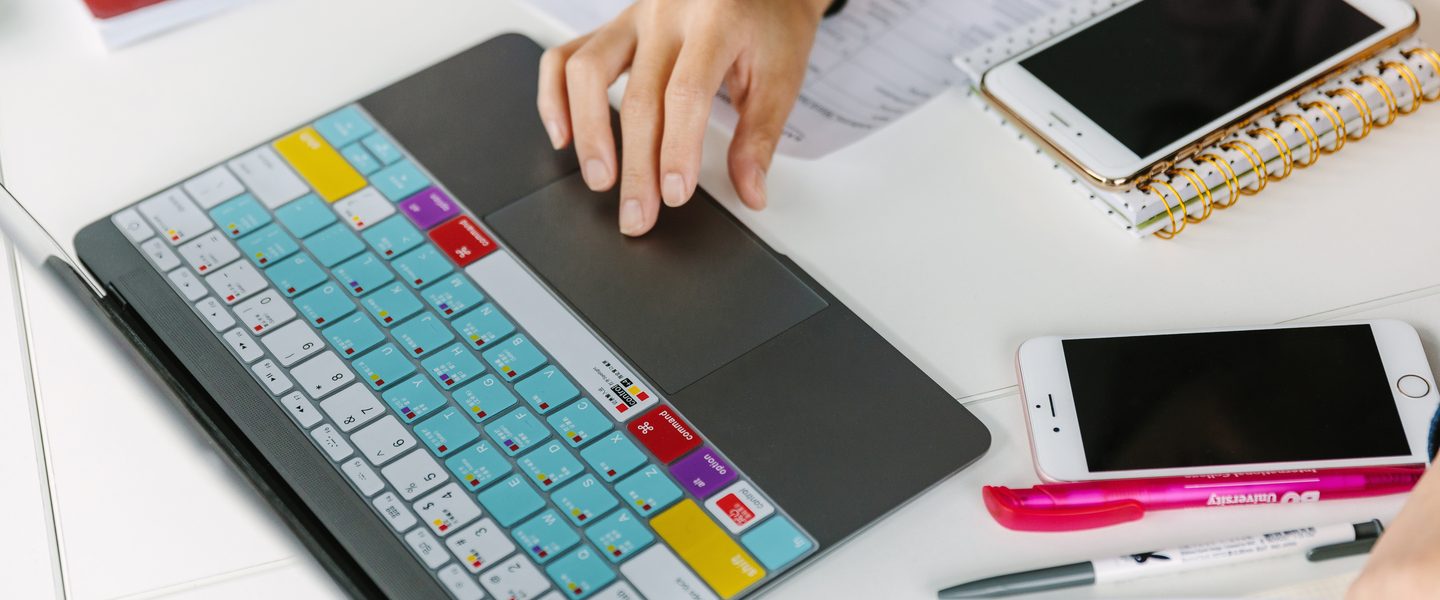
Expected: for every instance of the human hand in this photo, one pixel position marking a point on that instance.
(1406, 561)
(678, 53)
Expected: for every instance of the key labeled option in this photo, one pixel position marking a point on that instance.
(429, 207)
(703, 473)
(665, 434)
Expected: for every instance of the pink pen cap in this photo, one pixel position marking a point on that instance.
(1091, 504)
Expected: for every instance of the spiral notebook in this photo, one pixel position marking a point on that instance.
(1273, 146)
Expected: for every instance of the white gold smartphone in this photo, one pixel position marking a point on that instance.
(1227, 400)
(1127, 95)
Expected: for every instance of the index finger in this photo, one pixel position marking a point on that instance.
(704, 59)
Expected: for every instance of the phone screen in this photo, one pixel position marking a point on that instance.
(1155, 72)
(1230, 398)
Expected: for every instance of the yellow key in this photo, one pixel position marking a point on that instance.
(328, 172)
(714, 556)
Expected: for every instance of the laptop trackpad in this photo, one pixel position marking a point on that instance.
(692, 295)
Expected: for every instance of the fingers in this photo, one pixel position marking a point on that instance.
(701, 66)
(642, 113)
(551, 99)
(766, 105)
(588, 73)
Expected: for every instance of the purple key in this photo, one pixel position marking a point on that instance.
(429, 207)
(703, 472)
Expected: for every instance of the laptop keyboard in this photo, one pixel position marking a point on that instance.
(503, 442)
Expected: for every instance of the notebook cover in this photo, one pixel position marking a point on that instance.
(105, 9)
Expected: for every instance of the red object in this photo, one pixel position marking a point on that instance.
(665, 434)
(735, 509)
(463, 240)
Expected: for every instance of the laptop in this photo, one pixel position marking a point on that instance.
(416, 332)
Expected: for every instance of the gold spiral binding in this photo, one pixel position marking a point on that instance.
(1201, 189)
(1282, 146)
(1312, 141)
(1361, 106)
(1232, 182)
(1431, 56)
(1337, 123)
(1176, 226)
(1257, 165)
(1392, 105)
(1408, 74)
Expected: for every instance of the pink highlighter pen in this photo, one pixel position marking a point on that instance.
(1091, 504)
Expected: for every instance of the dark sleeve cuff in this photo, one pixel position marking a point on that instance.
(1434, 436)
(834, 7)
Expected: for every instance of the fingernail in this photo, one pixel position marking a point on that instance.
(757, 188)
(596, 174)
(673, 189)
(632, 219)
(553, 129)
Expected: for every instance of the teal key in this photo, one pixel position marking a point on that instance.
(422, 335)
(579, 422)
(413, 399)
(545, 536)
(584, 499)
(581, 573)
(549, 465)
(423, 265)
(446, 432)
(483, 325)
(400, 180)
(478, 465)
(324, 305)
(547, 390)
(517, 431)
(776, 542)
(383, 366)
(240, 215)
(515, 357)
(453, 366)
(484, 398)
(648, 490)
(267, 245)
(393, 236)
(613, 456)
(295, 275)
(391, 304)
(619, 535)
(353, 336)
(382, 148)
(360, 158)
(305, 216)
(452, 295)
(511, 500)
(344, 126)
(364, 272)
(334, 244)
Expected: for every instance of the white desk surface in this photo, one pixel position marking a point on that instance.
(940, 231)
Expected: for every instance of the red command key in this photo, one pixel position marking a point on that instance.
(666, 435)
(462, 240)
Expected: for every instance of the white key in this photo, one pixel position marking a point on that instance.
(394, 511)
(364, 208)
(292, 342)
(447, 508)
(553, 596)
(215, 313)
(207, 252)
(479, 545)
(264, 312)
(175, 216)
(414, 474)
(160, 254)
(363, 476)
(130, 222)
(212, 187)
(188, 284)
(268, 177)
(352, 407)
(272, 377)
(619, 591)
(323, 374)
(739, 507)
(384, 440)
(331, 441)
(427, 547)
(301, 408)
(516, 578)
(460, 585)
(658, 574)
(241, 343)
(236, 282)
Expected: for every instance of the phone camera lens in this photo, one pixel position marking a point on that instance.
(1057, 430)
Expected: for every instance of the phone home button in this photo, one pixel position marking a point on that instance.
(1413, 386)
